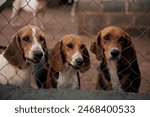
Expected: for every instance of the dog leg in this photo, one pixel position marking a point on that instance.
(14, 14)
(35, 19)
(42, 12)
(33, 84)
(41, 22)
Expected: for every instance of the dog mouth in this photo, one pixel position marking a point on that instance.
(115, 54)
(76, 63)
(36, 57)
(34, 60)
(77, 67)
(114, 59)
(117, 58)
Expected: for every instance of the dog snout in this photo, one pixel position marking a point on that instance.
(79, 62)
(38, 55)
(114, 53)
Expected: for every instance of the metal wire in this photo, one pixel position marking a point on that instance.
(84, 16)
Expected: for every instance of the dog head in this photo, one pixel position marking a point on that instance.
(27, 46)
(72, 50)
(113, 43)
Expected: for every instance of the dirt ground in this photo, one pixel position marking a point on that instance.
(58, 23)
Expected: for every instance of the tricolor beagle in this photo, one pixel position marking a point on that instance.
(27, 48)
(68, 57)
(119, 67)
(33, 6)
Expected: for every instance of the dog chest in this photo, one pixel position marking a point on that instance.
(68, 79)
(112, 68)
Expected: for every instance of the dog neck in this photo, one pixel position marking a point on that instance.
(68, 78)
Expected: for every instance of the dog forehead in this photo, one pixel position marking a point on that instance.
(113, 31)
(31, 31)
(72, 39)
(25, 30)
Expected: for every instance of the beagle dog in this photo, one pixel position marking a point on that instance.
(33, 6)
(119, 68)
(27, 48)
(67, 58)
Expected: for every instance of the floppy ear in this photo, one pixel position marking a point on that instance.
(128, 53)
(96, 47)
(86, 58)
(45, 49)
(56, 59)
(14, 54)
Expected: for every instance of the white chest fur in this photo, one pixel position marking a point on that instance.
(68, 78)
(12, 75)
(112, 68)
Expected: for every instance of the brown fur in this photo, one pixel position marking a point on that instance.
(57, 61)
(127, 66)
(61, 54)
(15, 52)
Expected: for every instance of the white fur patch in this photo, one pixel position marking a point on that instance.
(74, 57)
(28, 5)
(68, 78)
(112, 68)
(11, 75)
(33, 31)
(35, 44)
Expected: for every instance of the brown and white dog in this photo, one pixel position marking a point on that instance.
(27, 48)
(67, 58)
(32, 6)
(119, 67)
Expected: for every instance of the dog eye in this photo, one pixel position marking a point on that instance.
(121, 39)
(107, 37)
(25, 39)
(41, 39)
(69, 45)
(82, 47)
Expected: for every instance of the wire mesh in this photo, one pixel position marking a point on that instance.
(57, 18)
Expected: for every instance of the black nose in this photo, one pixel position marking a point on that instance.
(79, 62)
(114, 53)
(38, 55)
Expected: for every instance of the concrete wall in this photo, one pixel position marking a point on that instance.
(132, 15)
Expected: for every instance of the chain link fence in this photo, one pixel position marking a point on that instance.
(61, 17)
